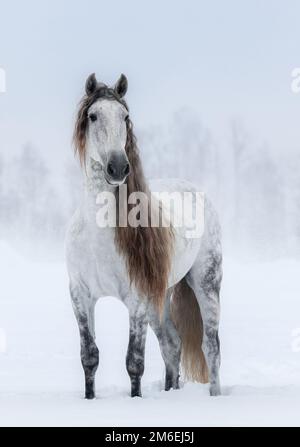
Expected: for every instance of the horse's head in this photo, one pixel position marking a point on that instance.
(101, 128)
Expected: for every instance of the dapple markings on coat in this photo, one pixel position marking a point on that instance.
(165, 279)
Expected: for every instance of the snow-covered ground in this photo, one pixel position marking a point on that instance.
(41, 381)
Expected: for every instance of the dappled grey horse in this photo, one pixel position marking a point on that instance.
(165, 279)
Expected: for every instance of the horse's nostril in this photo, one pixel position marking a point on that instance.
(110, 169)
(126, 170)
(117, 169)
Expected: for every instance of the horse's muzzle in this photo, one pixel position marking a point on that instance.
(117, 169)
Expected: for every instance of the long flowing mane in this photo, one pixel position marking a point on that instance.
(146, 249)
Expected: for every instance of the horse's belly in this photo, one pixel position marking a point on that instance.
(185, 254)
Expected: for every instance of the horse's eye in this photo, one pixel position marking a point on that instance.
(93, 117)
(126, 117)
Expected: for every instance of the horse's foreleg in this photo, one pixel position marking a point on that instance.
(84, 311)
(136, 349)
(170, 344)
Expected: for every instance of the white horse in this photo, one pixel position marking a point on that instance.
(148, 268)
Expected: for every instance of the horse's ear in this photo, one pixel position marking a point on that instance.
(91, 84)
(121, 86)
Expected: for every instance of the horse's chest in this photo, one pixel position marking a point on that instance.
(92, 256)
(109, 277)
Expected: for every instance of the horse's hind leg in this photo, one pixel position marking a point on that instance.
(205, 280)
(84, 307)
(169, 342)
(136, 348)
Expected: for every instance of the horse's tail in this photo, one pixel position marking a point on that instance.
(187, 318)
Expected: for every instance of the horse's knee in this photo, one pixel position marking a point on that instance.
(134, 364)
(90, 358)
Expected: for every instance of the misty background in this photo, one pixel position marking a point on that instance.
(209, 94)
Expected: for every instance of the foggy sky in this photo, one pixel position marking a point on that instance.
(222, 59)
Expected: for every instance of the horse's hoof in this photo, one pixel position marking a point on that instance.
(171, 384)
(136, 394)
(90, 396)
(172, 387)
(215, 390)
